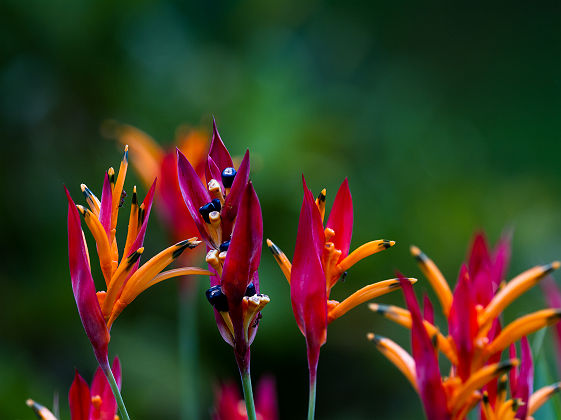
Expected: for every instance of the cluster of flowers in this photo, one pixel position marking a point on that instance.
(202, 194)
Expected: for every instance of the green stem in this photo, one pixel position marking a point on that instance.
(116, 393)
(188, 349)
(312, 398)
(248, 396)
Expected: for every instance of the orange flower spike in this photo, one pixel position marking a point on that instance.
(541, 396)
(397, 355)
(41, 412)
(435, 277)
(513, 289)
(282, 260)
(124, 280)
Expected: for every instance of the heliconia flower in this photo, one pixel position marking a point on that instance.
(95, 403)
(230, 406)
(151, 161)
(124, 278)
(523, 402)
(227, 213)
(476, 339)
(321, 257)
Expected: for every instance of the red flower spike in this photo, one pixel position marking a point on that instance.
(462, 323)
(218, 151)
(525, 382)
(79, 399)
(501, 260)
(83, 287)
(428, 373)
(244, 253)
(307, 281)
(341, 219)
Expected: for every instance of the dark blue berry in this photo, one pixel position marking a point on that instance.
(224, 246)
(250, 291)
(217, 299)
(205, 211)
(216, 204)
(228, 176)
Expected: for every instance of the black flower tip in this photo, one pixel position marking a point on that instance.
(228, 176)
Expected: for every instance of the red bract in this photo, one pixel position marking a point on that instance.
(230, 406)
(307, 281)
(428, 377)
(227, 213)
(84, 288)
(95, 403)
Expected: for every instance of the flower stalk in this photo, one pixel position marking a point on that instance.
(116, 393)
(248, 394)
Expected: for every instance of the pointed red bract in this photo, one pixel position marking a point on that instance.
(212, 171)
(426, 363)
(525, 382)
(79, 399)
(218, 151)
(341, 219)
(100, 387)
(462, 323)
(230, 208)
(553, 298)
(307, 281)
(428, 310)
(244, 253)
(83, 286)
(194, 193)
(106, 206)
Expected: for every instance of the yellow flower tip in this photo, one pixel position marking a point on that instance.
(388, 244)
(29, 402)
(81, 209)
(370, 336)
(322, 195)
(415, 251)
(554, 266)
(126, 147)
(269, 243)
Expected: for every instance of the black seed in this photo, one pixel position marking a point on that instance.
(217, 299)
(250, 291)
(228, 176)
(224, 246)
(216, 204)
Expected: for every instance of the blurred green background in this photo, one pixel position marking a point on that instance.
(446, 119)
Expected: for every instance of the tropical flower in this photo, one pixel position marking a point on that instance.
(95, 403)
(230, 406)
(227, 213)
(151, 161)
(476, 339)
(124, 279)
(321, 257)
